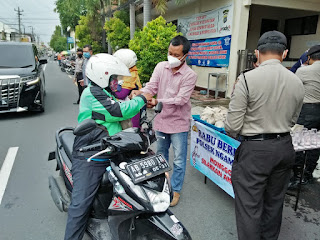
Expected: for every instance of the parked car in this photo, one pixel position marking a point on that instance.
(22, 81)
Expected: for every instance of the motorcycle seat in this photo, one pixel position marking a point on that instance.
(67, 139)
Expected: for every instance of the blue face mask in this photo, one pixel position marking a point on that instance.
(86, 54)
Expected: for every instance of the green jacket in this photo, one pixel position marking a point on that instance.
(98, 104)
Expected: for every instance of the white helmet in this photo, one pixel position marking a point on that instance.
(127, 56)
(102, 66)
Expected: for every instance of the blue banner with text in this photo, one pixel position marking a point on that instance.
(212, 153)
(212, 52)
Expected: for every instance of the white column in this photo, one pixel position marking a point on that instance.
(132, 20)
(146, 11)
(239, 39)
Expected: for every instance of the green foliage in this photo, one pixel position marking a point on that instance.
(88, 31)
(124, 16)
(161, 5)
(58, 43)
(118, 33)
(70, 12)
(151, 45)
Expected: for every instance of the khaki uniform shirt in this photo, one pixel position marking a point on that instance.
(271, 104)
(310, 76)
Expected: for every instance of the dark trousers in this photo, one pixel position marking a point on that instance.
(310, 118)
(260, 176)
(86, 181)
(79, 77)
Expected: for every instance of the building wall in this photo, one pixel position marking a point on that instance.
(192, 8)
(298, 44)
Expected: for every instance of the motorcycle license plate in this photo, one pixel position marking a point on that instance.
(147, 168)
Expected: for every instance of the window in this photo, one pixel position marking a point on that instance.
(268, 25)
(301, 26)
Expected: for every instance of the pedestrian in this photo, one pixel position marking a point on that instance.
(129, 58)
(309, 116)
(302, 62)
(264, 106)
(78, 73)
(87, 53)
(96, 103)
(173, 82)
(59, 59)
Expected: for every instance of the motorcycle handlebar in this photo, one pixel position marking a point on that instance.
(96, 146)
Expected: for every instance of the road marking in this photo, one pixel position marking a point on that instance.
(6, 169)
(69, 76)
(44, 68)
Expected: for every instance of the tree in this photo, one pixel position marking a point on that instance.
(161, 5)
(58, 43)
(151, 45)
(118, 31)
(89, 32)
(70, 12)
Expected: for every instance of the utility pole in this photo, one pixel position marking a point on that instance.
(19, 20)
(32, 36)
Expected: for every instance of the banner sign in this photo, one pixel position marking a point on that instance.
(213, 52)
(211, 24)
(212, 153)
(70, 40)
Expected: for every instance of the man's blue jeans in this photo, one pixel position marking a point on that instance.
(179, 143)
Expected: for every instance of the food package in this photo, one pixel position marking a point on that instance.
(215, 115)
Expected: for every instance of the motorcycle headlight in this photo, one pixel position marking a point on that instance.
(160, 201)
(30, 80)
(135, 188)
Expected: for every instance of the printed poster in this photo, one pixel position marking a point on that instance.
(212, 153)
(213, 52)
(211, 24)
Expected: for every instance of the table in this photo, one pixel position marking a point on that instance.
(216, 90)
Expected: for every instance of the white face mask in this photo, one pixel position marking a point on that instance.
(283, 55)
(174, 62)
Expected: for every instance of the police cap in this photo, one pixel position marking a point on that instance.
(272, 38)
(313, 49)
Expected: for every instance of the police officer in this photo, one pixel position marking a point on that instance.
(264, 105)
(310, 114)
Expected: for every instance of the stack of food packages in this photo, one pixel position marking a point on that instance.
(215, 115)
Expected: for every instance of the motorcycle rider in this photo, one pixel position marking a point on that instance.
(98, 103)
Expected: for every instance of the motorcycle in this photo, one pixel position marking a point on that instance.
(134, 194)
(63, 65)
(70, 67)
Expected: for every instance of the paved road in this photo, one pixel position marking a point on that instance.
(27, 211)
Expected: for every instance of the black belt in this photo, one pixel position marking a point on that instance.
(264, 136)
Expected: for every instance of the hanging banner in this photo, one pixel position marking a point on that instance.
(212, 153)
(211, 24)
(213, 52)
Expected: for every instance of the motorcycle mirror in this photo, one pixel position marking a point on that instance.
(158, 107)
(84, 127)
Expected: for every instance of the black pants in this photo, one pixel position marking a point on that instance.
(79, 77)
(310, 118)
(260, 176)
(86, 181)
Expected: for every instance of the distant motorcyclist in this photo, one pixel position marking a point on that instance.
(98, 103)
